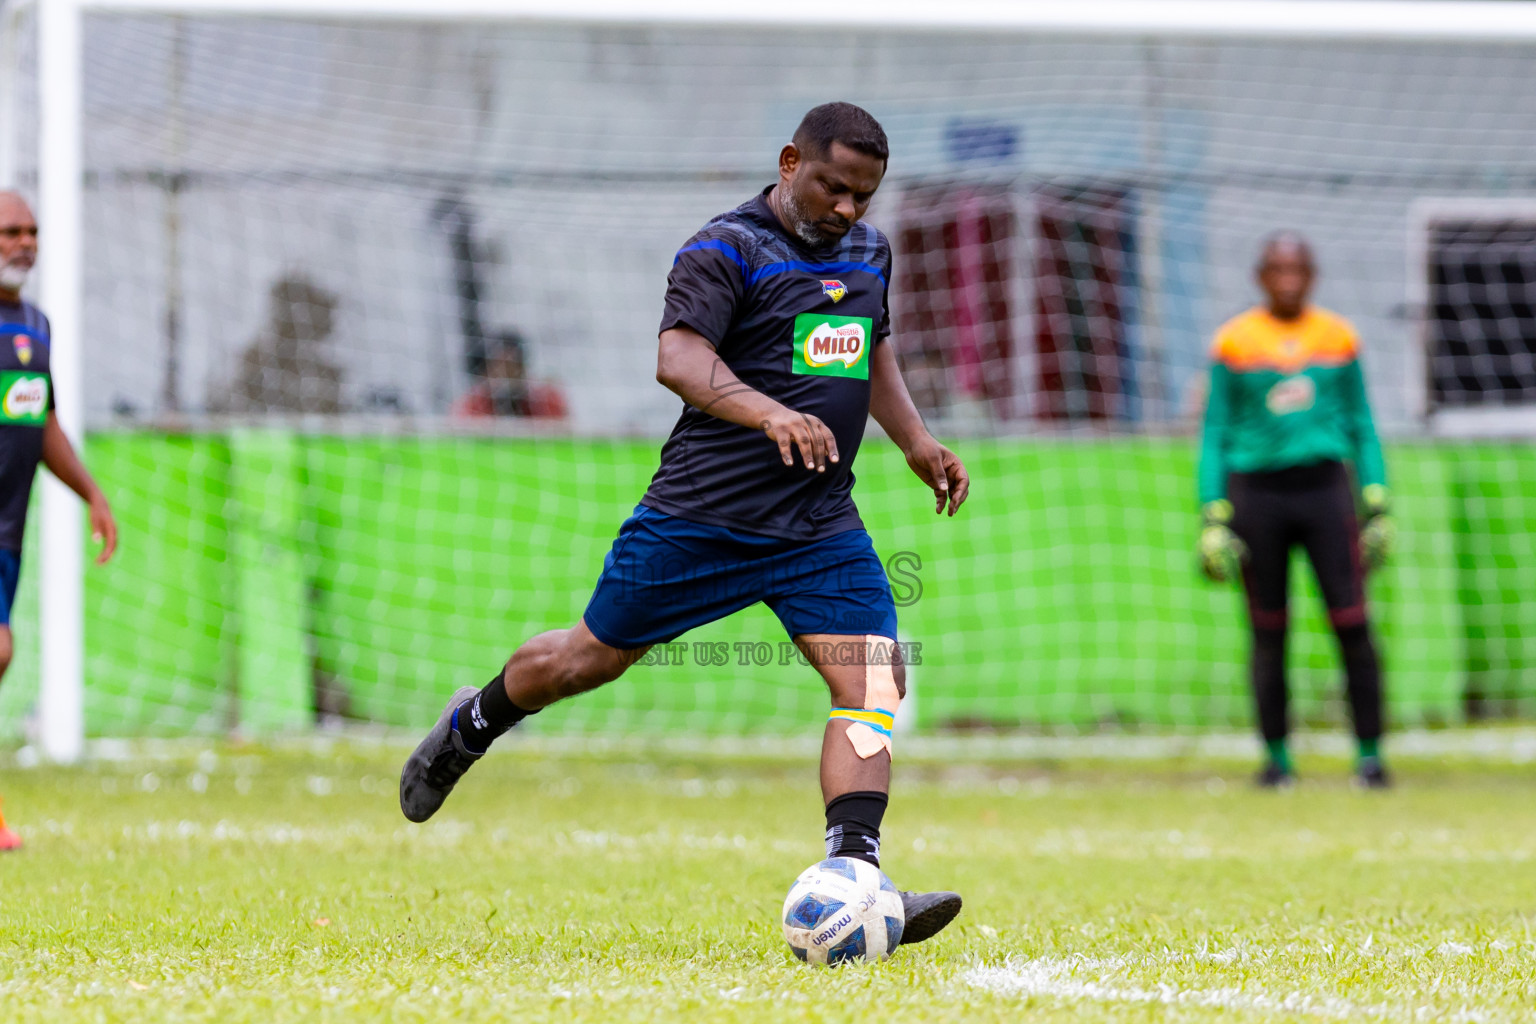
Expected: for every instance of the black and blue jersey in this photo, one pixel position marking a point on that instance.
(797, 324)
(26, 399)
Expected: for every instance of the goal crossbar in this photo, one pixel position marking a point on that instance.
(1429, 20)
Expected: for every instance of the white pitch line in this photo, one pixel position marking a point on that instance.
(1060, 979)
(1082, 979)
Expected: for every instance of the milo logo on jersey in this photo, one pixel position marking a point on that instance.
(1293, 394)
(23, 398)
(833, 346)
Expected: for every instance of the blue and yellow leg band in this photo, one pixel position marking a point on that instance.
(878, 719)
(869, 727)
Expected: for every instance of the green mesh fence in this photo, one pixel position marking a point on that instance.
(266, 578)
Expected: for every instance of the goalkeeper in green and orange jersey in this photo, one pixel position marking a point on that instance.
(1287, 411)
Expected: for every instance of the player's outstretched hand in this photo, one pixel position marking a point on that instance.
(790, 430)
(940, 469)
(103, 529)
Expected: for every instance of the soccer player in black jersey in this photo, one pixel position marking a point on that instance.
(29, 430)
(774, 335)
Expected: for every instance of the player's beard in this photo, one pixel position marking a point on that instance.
(805, 228)
(13, 276)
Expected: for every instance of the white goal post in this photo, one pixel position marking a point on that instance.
(60, 162)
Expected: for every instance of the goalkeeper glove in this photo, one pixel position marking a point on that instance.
(1221, 551)
(1379, 531)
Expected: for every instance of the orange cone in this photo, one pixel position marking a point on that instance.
(9, 840)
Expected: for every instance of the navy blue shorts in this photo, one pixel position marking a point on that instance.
(666, 575)
(10, 575)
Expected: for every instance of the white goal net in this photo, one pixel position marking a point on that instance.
(368, 331)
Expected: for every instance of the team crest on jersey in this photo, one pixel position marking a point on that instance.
(23, 345)
(1292, 355)
(834, 290)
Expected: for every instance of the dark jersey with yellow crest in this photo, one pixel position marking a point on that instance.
(26, 398)
(1286, 394)
(797, 324)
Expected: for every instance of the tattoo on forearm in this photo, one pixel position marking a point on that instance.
(724, 383)
(721, 377)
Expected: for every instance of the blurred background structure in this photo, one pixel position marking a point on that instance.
(369, 309)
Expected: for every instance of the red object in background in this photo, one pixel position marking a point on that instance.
(9, 840)
(951, 295)
(953, 300)
(1081, 261)
(545, 401)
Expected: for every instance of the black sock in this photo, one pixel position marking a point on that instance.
(487, 715)
(853, 825)
(1362, 680)
(1270, 695)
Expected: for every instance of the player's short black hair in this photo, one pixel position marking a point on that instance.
(1286, 239)
(853, 126)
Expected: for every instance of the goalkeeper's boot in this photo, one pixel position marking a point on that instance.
(1372, 774)
(9, 840)
(437, 763)
(927, 913)
(1273, 776)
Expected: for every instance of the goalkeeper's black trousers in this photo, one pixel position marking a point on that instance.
(1312, 506)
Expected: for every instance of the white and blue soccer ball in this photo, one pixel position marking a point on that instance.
(843, 910)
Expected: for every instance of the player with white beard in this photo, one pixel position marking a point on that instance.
(29, 429)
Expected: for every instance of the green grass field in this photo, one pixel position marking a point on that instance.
(244, 884)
